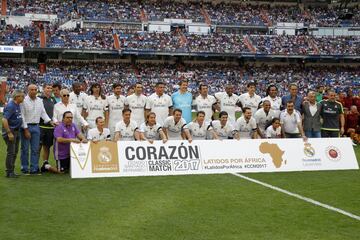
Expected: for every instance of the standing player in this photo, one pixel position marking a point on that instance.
(175, 127)
(95, 105)
(228, 102)
(250, 99)
(332, 114)
(199, 128)
(223, 128)
(275, 100)
(116, 103)
(151, 130)
(78, 98)
(126, 129)
(136, 103)
(263, 118)
(182, 100)
(159, 103)
(246, 125)
(205, 102)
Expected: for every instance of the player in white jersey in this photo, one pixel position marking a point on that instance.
(275, 100)
(99, 133)
(250, 99)
(136, 102)
(78, 98)
(263, 118)
(151, 130)
(205, 102)
(228, 102)
(159, 103)
(116, 103)
(175, 127)
(274, 130)
(200, 129)
(246, 125)
(126, 130)
(223, 128)
(95, 105)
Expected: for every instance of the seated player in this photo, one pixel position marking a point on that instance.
(150, 130)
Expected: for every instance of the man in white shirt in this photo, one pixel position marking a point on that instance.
(116, 103)
(64, 106)
(246, 125)
(263, 118)
(205, 102)
(159, 103)
(126, 129)
(136, 103)
(228, 102)
(150, 130)
(223, 128)
(99, 133)
(175, 127)
(275, 100)
(291, 123)
(200, 129)
(250, 99)
(32, 109)
(95, 105)
(78, 98)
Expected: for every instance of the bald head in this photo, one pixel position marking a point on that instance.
(32, 91)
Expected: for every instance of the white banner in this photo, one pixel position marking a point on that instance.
(11, 49)
(133, 158)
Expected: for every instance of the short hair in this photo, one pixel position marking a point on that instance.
(17, 93)
(64, 114)
(47, 84)
(115, 85)
(290, 101)
(159, 83)
(125, 110)
(138, 83)
(149, 114)
(177, 110)
(274, 120)
(251, 84)
(98, 118)
(223, 113)
(268, 101)
(183, 81)
(76, 84)
(203, 85)
(63, 90)
(293, 85)
(200, 112)
(57, 85)
(246, 108)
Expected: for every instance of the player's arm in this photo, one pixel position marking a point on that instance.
(117, 136)
(342, 124)
(162, 135)
(81, 137)
(186, 132)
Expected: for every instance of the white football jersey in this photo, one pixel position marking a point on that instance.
(223, 132)
(127, 132)
(275, 104)
(263, 120)
(228, 104)
(174, 129)
(95, 108)
(205, 104)
(95, 135)
(245, 128)
(78, 100)
(115, 105)
(160, 106)
(271, 133)
(137, 106)
(151, 132)
(199, 132)
(250, 102)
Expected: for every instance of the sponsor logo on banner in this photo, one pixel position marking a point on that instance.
(104, 157)
(309, 159)
(333, 153)
(81, 155)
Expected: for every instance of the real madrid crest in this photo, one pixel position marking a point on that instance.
(104, 155)
(309, 151)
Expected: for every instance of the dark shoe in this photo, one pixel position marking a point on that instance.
(35, 173)
(43, 167)
(11, 175)
(25, 172)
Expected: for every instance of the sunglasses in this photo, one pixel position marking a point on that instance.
(66, 95)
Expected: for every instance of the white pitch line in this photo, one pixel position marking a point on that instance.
(338, 210)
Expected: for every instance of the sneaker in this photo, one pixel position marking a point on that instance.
(43, 167)
(23, 172)
(11, 175)
(35, 173)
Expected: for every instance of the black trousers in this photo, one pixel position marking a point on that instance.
(330, 134)
(12, 150)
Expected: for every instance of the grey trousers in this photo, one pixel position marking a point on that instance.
(12, 151)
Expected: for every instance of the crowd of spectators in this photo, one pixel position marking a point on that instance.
(340, 45)
(215, 75)
(158, 10)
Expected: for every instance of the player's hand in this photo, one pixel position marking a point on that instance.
(165, 140)
(27, 133)
(11, 136)
(190, 140)
(305, 139)
(150, 141)
(342, 131)
(76, 140)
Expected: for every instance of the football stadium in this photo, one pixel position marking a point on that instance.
(159, 119)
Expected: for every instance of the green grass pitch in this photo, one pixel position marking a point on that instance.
(178, 207)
